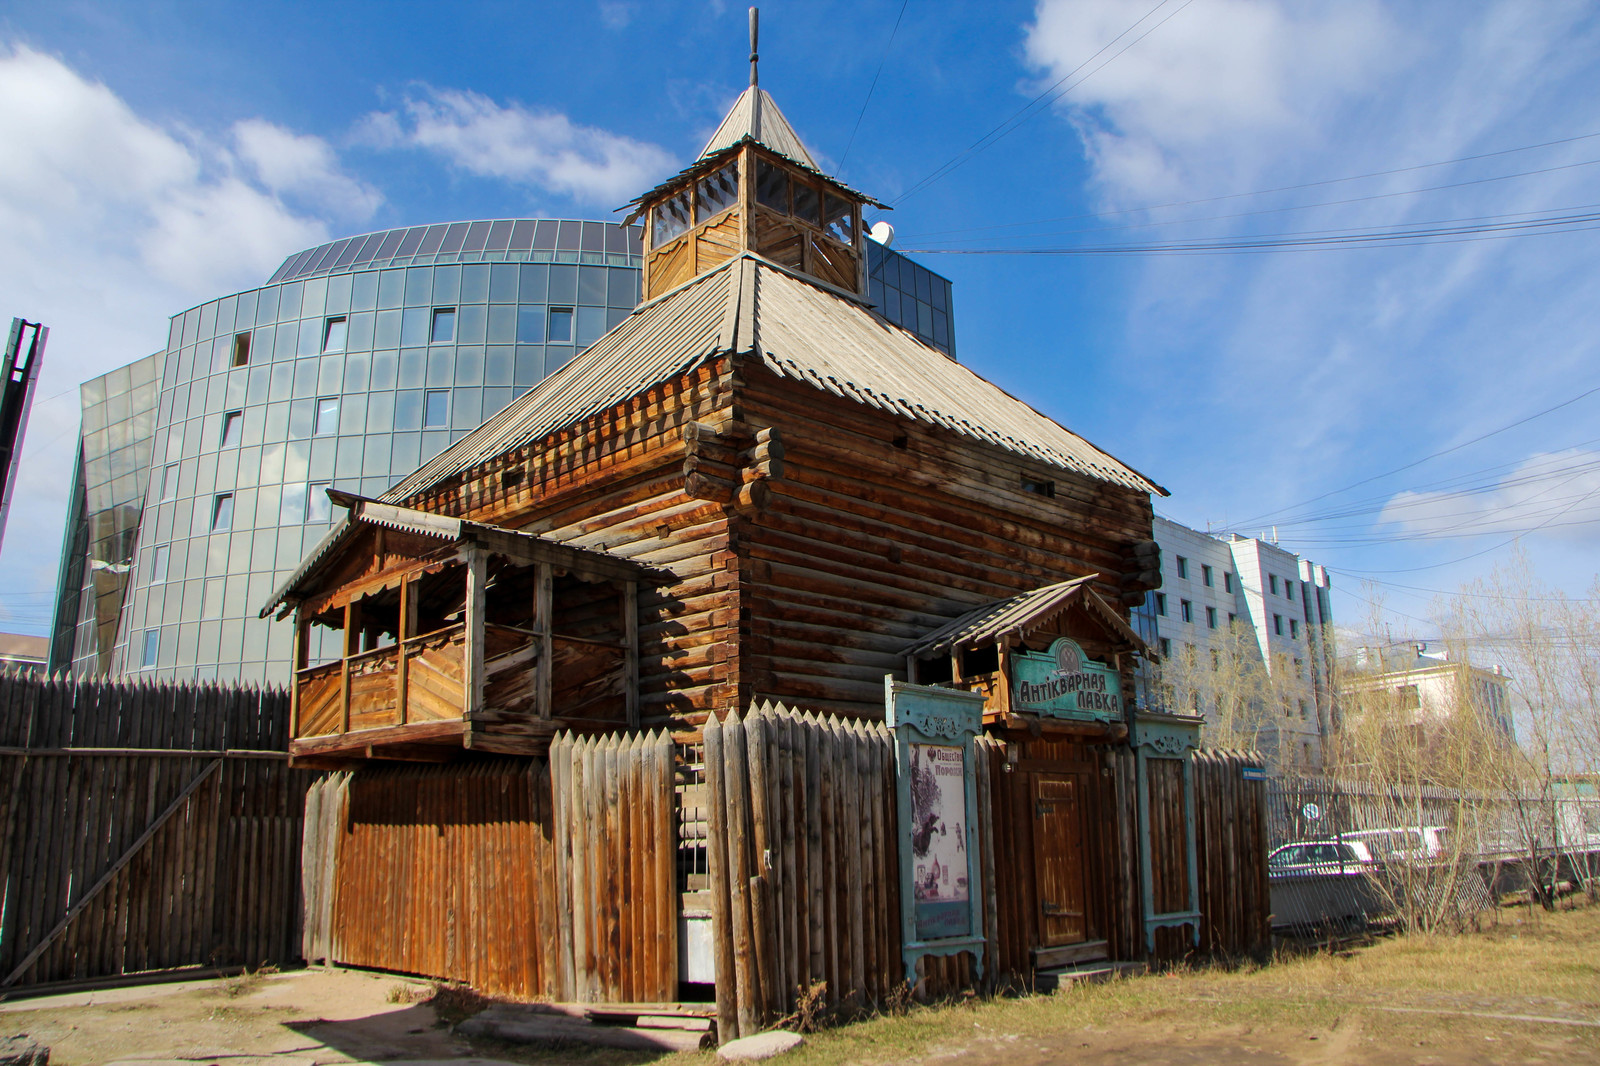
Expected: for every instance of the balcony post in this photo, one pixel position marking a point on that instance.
(544, 609)
(299, 660)
(472, 667)
(630, 638)
(402, 631)
(350, 645)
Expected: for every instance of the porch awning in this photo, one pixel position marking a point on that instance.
(1016, 617)
(364, 512)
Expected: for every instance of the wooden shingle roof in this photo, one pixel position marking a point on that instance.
(797, 329)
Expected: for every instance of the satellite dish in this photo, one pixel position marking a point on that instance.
(882, 232)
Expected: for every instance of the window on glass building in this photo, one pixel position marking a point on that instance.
(334, 335)
(292, 505)
(232, 428)
(436, 409)
(222, 512)
(169, 482)
(241, 349)
(152, 648)
(560, 330)
(318, 507)
(327, 417)
(158, 565)
(444, 325)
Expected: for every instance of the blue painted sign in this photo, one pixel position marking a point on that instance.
(937, 792)
(1065, 683)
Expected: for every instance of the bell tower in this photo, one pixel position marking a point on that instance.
(754, 188)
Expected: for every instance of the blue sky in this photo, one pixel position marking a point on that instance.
(159, 154)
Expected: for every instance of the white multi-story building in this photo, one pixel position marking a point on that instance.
(1434, 689)
(1227, 598)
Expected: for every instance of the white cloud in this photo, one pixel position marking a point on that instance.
(1298, 373)
(299, 164)
(1555, 495)
(109, 223)
(1197, 81)
(616, 14)
(514, 143)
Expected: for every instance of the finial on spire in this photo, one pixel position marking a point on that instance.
(755, 22)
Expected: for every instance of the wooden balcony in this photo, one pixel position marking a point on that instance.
(492, 641)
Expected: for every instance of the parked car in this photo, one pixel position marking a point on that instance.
(1318, 856)
(1402, 842)
(1321, 885)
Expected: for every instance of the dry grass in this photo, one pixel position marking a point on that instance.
(1401, 993)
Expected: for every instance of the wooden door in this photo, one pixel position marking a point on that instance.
(1058, 844)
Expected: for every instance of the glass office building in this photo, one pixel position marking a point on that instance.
(108, 486)
(202, 475)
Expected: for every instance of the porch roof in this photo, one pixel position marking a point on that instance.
(528, 547)
(1020, 615)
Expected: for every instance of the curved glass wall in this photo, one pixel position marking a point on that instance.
(350, 371)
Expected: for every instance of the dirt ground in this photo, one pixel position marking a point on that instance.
(303, 1018)
(1526, 990)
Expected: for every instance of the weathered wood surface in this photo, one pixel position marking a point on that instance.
(871, 529)
(804, 863)
(1029, 855)
(444, 871)
(525, 880)
(144, 828)
(1232, 843)
(616, 867)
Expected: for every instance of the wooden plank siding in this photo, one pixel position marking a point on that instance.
(525, 879)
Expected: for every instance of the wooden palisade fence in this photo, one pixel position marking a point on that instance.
(144, 827)
(1231, 834)
(804, 863)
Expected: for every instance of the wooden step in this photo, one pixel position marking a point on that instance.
(1047, 981)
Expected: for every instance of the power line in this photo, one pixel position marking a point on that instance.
(1299, 207)
(1293, 242)
(884, 58)
(1486, 551)
(1281, 188)
(1028, 110)
(1427, 458)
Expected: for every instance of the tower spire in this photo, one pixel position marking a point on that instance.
(755, 33)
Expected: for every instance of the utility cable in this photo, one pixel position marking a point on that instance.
(884, 58)
(1028, 110)
(1267, 517)
(1281, 188)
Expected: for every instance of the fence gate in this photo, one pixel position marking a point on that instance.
(144, 828)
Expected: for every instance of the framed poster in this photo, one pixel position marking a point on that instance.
(937, 793)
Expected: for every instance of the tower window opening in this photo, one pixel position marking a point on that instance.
(772, 186)
(670, 219)
(838, 220)
(718, 192)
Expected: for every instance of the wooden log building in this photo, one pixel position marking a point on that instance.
(754, 489)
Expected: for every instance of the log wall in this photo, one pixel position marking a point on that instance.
(881, 529)
(144, 828)
(617, 482)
